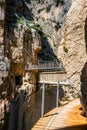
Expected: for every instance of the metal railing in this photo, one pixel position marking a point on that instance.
(43, 97)
(46, 65)
(38, 104)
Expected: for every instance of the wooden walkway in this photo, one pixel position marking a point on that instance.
(67, 117)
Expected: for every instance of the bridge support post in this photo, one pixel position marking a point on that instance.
(43, 98)
(11, 116)
(20, 110)
(57, 94)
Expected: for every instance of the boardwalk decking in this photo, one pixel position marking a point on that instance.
(58, 119)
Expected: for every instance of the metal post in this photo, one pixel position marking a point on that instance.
(11, 116)
(20, 110)
(43, 97)
(57, 94)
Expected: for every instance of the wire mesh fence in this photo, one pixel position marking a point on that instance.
(13, 114)
(32, 106)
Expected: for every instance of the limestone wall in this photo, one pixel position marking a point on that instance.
(72, 49)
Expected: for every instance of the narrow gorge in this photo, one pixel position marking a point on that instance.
(42, 43)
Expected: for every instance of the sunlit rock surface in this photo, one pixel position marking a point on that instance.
(73, 47)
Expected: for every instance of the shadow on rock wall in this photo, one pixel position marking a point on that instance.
(46, 52)
(86, 34)
(15, 10)
(84, 75)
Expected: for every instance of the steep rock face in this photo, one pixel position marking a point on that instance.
(5, 87)
(22, 43)
(4, 62)
(73, 47)
(24, 53)
(50, 15)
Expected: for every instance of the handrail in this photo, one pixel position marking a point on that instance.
(46, 65)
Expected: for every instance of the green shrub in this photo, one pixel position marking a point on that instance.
(65, 49)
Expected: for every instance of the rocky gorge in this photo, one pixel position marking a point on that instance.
(43, 30)
(66, 23)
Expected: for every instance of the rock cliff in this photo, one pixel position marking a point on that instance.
(50, 15)
(73, 47)
(22, 43)
(62, 28)
(66, 23)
